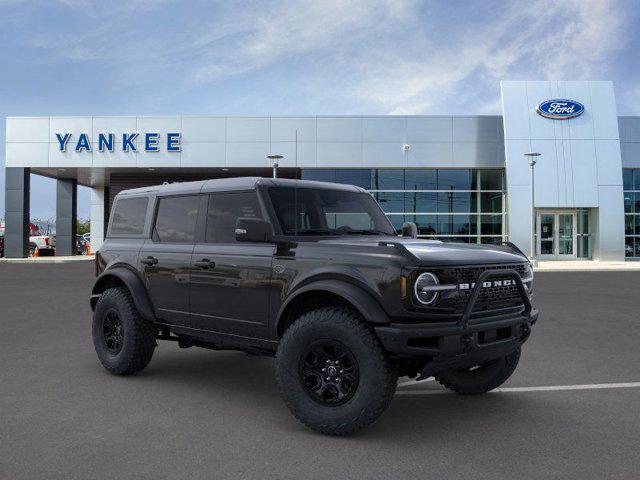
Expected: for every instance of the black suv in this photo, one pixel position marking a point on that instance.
(314, 274)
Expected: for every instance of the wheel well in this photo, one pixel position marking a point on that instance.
(106, 282)
(308, 302)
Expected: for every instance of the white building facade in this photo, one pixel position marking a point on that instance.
(459, 178)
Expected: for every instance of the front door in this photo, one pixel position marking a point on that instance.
(556, 235)
(231, 281)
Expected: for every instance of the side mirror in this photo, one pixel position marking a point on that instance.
(253, 230)
(409, 229)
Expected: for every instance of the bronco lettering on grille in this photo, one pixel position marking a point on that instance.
(488, 284)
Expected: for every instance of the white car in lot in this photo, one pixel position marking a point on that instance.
(46, 244)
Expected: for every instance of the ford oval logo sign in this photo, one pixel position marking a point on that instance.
(560, 109)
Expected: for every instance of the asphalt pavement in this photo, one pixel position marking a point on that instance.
(201, 414)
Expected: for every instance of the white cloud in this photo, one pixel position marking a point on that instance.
(391, 56)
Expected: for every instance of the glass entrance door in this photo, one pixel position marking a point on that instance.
(556, 233)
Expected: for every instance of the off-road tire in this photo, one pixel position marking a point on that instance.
(138, 335)
(482, 379)
(377, 377)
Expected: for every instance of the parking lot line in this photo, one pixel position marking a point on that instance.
(549, 388)
(414, 382)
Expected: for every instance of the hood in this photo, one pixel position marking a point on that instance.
(434, 252)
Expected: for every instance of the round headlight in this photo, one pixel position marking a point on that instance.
(422, 288)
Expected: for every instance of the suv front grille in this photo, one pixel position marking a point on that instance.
(490, 298)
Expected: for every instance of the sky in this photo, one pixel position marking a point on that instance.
(147, 57)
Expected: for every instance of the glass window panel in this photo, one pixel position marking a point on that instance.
(628, 202)
(129, 216)
(422, 179)
(387, 179)
(629, 250)
(491, 179)
(318, 174)
(636, 179)
(627, 178)
(459, 239)
(454, 179)
(427, 224)
(491, 202)
(421, 202)
(390, 202)
(176, 220)
(460, 202)
(491, 240)
(457, 224)
(491, 224)
(360, 177)
(637, 224)
(629, 224)
(636, 203)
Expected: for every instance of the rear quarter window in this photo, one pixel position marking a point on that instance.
(129, 215)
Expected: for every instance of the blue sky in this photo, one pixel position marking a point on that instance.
(76, 57)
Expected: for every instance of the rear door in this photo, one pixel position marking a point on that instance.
(230, 281)
(165, 259)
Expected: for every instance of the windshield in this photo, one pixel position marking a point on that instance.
(318, 211)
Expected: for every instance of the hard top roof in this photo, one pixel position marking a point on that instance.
(233, 183)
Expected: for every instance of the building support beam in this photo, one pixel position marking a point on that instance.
(66, 216)
(97, 218)
(17, 190)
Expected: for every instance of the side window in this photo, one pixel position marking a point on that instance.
(224, 209)
(176, 219)
(129, 215)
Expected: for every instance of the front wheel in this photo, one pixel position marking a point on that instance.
(123, 340)
(480, 378)
(333, 373)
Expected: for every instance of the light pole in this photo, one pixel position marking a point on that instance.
(274, 163)
(532, 163)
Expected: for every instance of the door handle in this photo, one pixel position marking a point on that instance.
(149, 261)
(205, 264)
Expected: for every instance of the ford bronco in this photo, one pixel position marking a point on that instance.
(314, 274)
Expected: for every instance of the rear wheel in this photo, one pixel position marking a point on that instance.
(333, 373)
(123, 340)
(480, 378)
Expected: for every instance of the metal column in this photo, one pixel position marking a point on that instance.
(17, 189)
(66, 216)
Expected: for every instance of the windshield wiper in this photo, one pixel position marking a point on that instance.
(366, 232)
(313, 231)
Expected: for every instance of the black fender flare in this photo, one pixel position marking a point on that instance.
(133, 283)
(364, 302)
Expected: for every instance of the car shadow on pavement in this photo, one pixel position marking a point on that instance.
(246, 381)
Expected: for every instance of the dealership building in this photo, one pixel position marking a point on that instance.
(459, 178)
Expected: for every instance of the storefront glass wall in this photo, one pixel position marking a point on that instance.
(464, 205)
(631, 181)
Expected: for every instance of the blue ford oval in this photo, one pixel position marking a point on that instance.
(560, 109)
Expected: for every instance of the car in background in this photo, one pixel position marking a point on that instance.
(44, 243)
(1, 241)
(81, 245)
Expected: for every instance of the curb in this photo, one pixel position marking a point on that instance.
(48, 260)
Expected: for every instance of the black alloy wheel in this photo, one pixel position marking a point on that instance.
(329, 372)
(112, 332)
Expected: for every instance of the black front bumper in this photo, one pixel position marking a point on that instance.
(465, 343)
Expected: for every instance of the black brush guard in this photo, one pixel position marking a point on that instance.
(464, 344)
